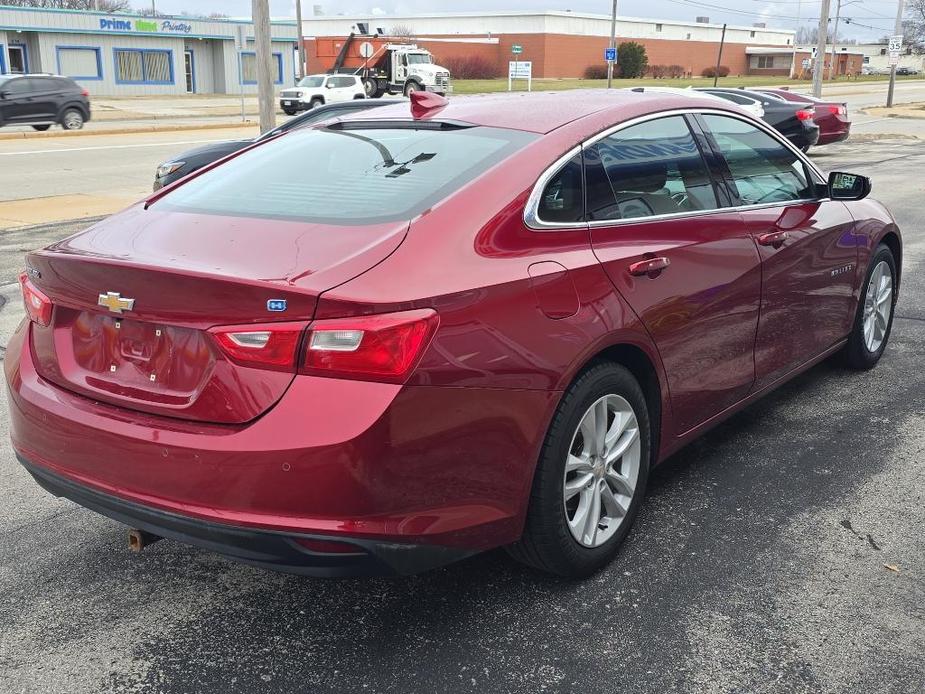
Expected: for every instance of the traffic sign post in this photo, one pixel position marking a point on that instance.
(520, 70)
(610, 55)
(517, 49)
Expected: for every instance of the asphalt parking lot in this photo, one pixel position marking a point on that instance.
(782, 552)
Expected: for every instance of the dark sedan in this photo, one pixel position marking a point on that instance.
(831, 116)
(193, 159)
(793, 120)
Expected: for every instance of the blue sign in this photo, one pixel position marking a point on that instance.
(610, 55)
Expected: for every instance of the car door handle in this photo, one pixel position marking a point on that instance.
(774, 238)
(651, 267)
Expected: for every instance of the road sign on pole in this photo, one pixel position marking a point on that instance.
(896, 44)
(610, 55)
(517, 49)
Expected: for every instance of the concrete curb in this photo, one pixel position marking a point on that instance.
(119, 131)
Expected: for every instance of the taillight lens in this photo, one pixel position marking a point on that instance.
(384, 347)
(272, 346)
(84, 92)
(806, 114)
(839, 109)
(38, 306)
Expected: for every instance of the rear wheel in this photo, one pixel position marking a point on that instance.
(42, 128)
(72, 119)
(591, 475)
(370, 86)
(873, 320)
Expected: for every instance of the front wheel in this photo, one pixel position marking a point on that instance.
(412, 87)
(72, 119)
(591, 475)
(315, 103)
(873, 320)
(289, 111)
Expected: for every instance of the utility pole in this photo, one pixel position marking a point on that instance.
(260, 11)
(298, 21)
(832, 71)
(613, 42)
(719, 57)
(898, 32)
(819, 67)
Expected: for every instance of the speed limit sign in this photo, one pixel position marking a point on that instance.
(896, 44)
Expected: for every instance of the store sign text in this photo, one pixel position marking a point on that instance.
(146, 25)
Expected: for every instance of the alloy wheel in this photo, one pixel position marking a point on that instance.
(73, 120)
(878, 305)
(601, 471)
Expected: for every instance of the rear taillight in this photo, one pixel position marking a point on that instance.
(272, 346)
(84, 92)
(839, 109)
(806, 114)
(38, 306)
(384, 347)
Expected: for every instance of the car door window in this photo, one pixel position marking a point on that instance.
(19, 87)
(650, 169)
(763, 170)
(562, 201)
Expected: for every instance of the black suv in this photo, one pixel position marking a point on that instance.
(43, 100)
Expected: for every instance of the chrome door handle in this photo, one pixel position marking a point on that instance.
(774, 238)
(651, 267)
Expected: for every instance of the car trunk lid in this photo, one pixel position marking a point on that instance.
(135, 296)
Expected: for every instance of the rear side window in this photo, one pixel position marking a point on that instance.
(347, 176)
(562, 201)
(646, 170)
(763, 170)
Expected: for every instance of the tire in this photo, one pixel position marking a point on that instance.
(549, 543)
(370, 86)
(411, 86)
(805, 149)
(42, 128)
(72, 119)
(315, 103)
(874, 312)
(289, 111)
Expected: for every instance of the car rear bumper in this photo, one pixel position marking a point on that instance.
(828, 137)
(380, 465)
(268, 549)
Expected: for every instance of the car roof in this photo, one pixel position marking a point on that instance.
(543, 112)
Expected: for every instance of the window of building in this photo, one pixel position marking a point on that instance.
(649, 169)
(79, 62)
(249, 68)
(765, 61)
(751, 34)
(658, 27)
(143, 66)
(688, 36)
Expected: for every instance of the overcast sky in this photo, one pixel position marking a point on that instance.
(877, 15)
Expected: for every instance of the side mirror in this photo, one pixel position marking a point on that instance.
(846, 186)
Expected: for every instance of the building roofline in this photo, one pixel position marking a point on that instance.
(539, 13)
(136, 15)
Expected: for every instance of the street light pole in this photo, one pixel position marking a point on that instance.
(819, 67)
(298, 21)
(898, 32)
(832, 71)
(613, 42)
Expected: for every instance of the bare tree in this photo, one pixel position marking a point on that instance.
(402, 31)
(914, 25)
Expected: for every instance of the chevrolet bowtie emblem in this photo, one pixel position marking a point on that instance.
(115, 303)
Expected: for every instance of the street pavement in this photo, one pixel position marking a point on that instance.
(782, 552)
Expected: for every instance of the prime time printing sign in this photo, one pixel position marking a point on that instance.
(117, 24)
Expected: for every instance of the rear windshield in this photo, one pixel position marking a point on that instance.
(346, 176)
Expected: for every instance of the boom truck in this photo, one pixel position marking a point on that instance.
(385, 65)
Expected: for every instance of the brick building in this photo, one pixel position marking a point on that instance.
(559, 43)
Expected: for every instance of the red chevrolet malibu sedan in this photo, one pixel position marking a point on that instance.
(410, 335)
